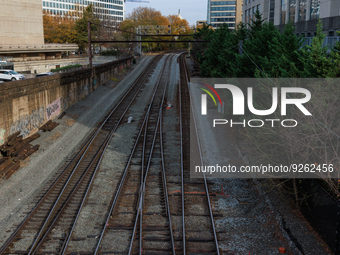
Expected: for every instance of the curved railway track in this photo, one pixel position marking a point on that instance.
(155, 209)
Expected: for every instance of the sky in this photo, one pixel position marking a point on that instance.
(191, 10)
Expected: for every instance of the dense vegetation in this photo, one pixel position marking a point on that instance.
(67, 29)
(72, 28)
(266, 53)
(277, 55)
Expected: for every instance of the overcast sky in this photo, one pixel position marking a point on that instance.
(191, 10)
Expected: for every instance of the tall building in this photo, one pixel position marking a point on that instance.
(112, 10)
(22, 38)
(229, 12)
(303, 13)
(21, 22)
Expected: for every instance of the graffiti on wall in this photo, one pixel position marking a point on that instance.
(25, 124)
(53, 109)
(2, 133)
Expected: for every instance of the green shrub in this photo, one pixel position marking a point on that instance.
(64, 68)
(109, 53)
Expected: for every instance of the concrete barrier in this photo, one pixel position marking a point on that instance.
(26, 105)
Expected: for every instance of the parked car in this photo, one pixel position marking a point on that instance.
(44, 74)
(10, 75)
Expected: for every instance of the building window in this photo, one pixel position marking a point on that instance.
(227, 8)
(303, 10)
(224, 3)
(249, 16)
(222, 19)
(292, 5)
(271, 11)
(283, 12)
(246, 17)
(315, 9)
(214, 14)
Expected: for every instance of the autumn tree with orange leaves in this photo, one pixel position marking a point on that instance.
(149, 16)
(58, 29)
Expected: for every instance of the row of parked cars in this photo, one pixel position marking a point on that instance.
(10, 75)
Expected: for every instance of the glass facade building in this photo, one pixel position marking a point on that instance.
(220, 12)
(111, 10)
(302, 13)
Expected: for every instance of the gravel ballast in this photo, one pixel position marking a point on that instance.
(18, 193)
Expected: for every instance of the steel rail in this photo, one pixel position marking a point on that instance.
(182, 164)
(165, 185)
(97, 167)
(141, 181)
(142, 189)
(75, 168)
(201, 159)
(114, 203)
(81, 153)
(142, 194)
(68, 200)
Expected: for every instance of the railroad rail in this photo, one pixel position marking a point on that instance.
(199, 234)
(154, 209)
(70, 189)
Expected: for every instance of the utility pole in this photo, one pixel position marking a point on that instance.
(90, 48)
(133, 50)
(140, 38)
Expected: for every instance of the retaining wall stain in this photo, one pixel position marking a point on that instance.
(53, 109)
(25, 124)
(27, 104)
(2, 133)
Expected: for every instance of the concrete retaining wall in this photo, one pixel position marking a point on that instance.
(27, 104)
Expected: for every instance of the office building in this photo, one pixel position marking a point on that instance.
(21, 22)
(22, 38)
(229, 12)
(112, 10)
(303, 13)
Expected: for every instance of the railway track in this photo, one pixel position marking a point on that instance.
(154, 209)
(58, 208)
(199, 234)
(125, 219)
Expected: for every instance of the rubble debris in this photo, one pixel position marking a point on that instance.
(13, 151)
(49, 126)
(61, 115)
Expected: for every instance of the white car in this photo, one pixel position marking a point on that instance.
(10, 75)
